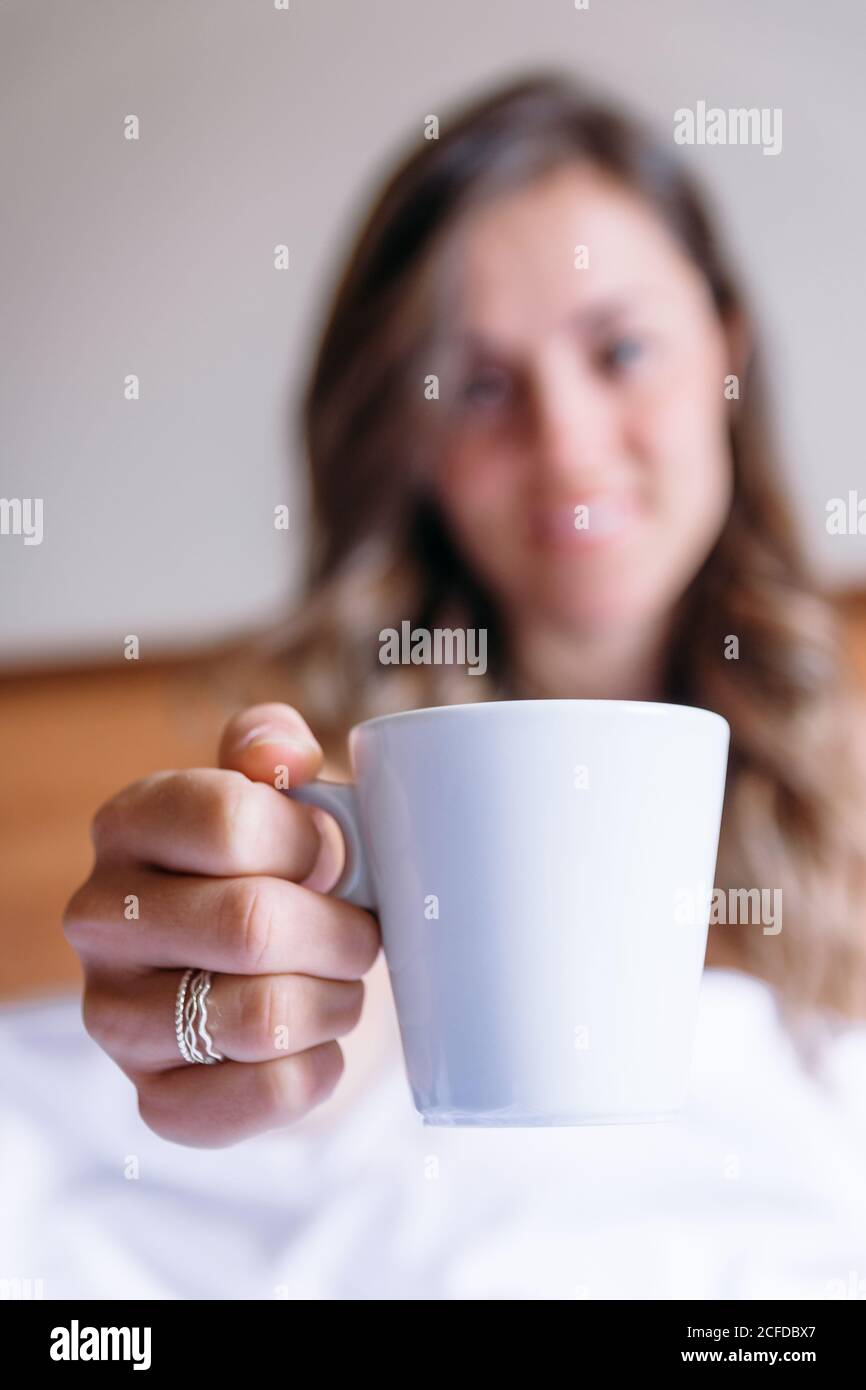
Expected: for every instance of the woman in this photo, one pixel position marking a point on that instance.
(537, 411)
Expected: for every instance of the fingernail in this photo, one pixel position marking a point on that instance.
(272, 735)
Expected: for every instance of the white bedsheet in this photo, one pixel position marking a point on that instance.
(759, 1190)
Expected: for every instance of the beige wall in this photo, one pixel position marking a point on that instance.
(259, 127)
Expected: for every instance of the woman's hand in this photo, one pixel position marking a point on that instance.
(220, 868)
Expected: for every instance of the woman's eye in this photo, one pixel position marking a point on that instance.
(486, 389)
(622, 354)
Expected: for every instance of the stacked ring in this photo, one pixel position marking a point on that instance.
(190, 1018)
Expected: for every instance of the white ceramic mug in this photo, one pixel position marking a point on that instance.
(525, 860)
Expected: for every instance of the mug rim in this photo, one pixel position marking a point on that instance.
(653, 708)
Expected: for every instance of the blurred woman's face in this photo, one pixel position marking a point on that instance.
(588, 472)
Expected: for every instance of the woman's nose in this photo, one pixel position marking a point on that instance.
(573, 427)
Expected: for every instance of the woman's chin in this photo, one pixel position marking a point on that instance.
(594, 611)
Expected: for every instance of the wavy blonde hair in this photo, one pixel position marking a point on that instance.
(795, 813)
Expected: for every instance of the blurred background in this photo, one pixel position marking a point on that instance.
(262, 127)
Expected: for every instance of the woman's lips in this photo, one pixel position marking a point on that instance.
(587, 524)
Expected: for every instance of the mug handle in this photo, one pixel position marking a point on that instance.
(340, 800)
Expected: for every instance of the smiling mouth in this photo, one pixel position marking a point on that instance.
(593, 523)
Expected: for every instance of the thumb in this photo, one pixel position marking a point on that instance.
(271, 743)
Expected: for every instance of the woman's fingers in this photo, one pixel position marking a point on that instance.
(254, 1018)
(216, 869)
(272, 743)
(208, 821)
(209, 1107)
(127, 918)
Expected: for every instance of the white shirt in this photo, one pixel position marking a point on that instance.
(758, 1190)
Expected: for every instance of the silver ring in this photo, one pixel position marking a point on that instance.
(190, 1018)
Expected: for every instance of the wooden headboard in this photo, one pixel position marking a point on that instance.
(68, 740)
